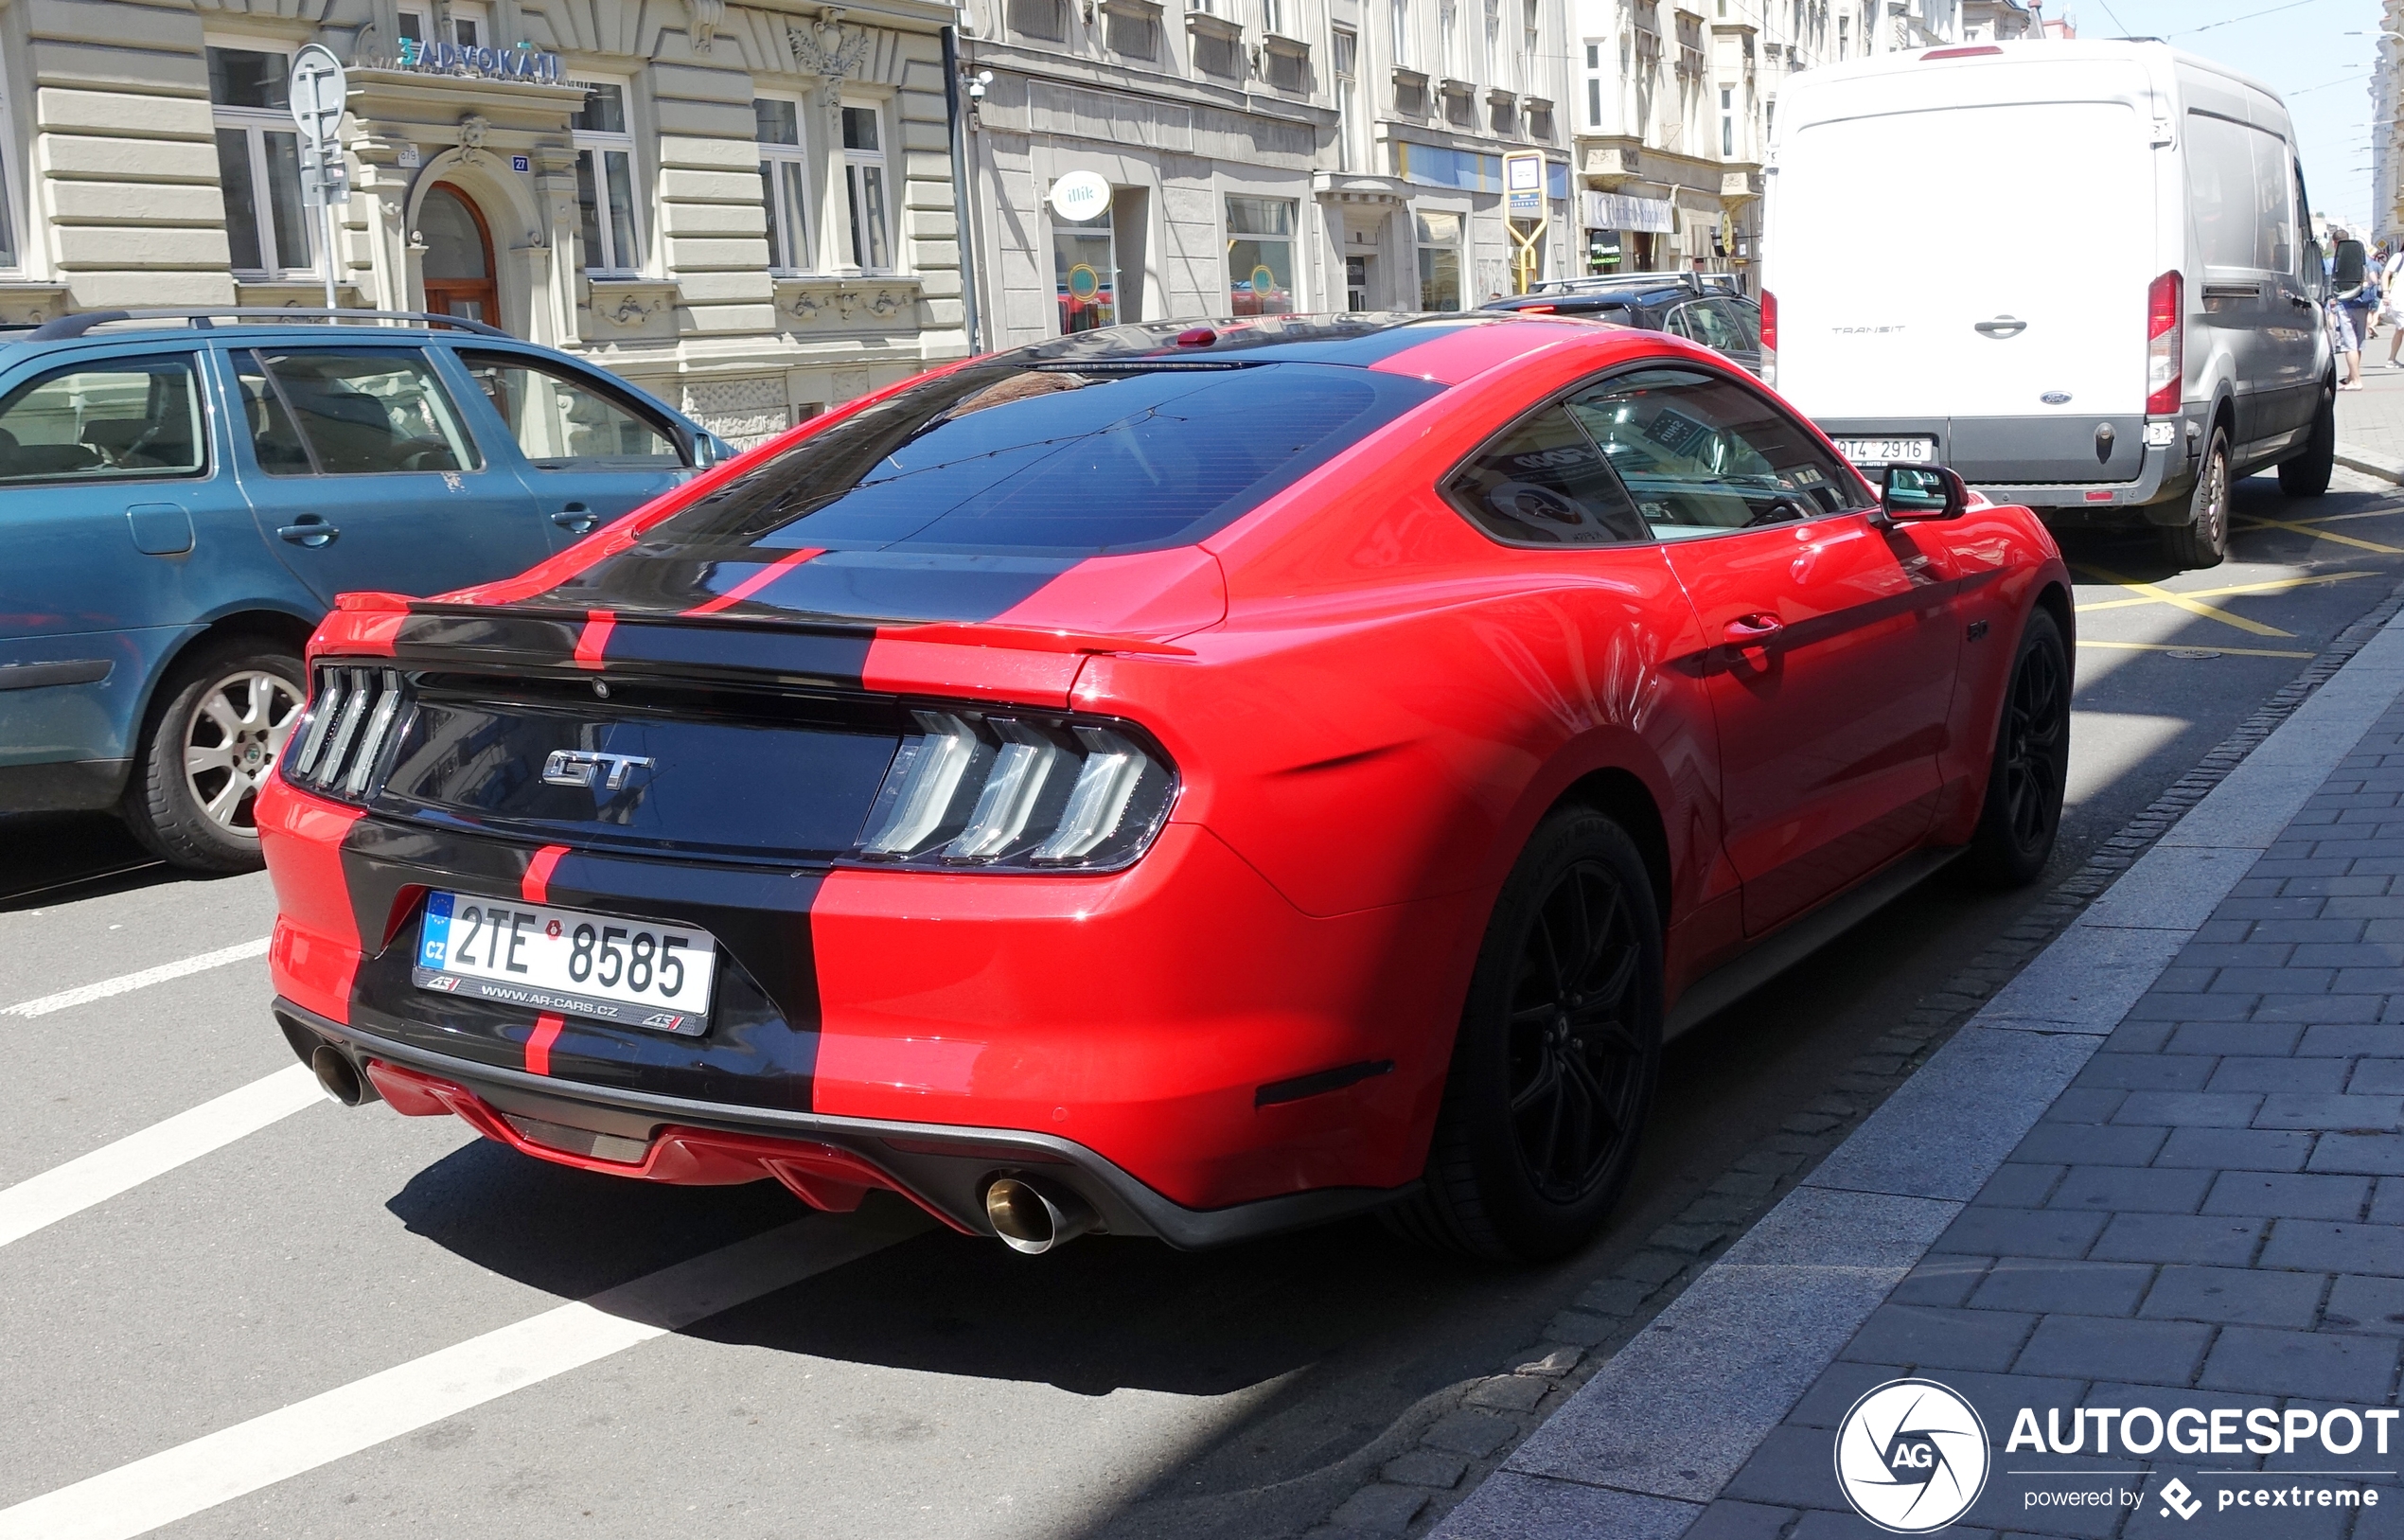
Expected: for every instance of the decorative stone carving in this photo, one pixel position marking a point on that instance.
(742, 411)
(810, 304)
(831, 52)
(631, 311)
(706, 15)
(472, 129)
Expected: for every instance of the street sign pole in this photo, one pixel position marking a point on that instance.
(1524, 198)
(317, 88)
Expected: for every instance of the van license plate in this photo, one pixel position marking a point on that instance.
(1871, 451)
(636, 973)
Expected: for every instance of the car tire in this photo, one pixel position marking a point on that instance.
(2308, 474)
(221, 720)
(1553, 1069)
(2022, 812)
(2204, 540)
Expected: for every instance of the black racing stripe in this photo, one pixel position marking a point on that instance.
(899, 587)
(761, 1048)
(832, 656)
(479, 637)
(1362, 350)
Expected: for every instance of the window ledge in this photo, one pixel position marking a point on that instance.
(32, 301)
(1407, 76)
(1217, 26)
(1149, 11)
(1457, 88)
(1291, 47)
(837, 298)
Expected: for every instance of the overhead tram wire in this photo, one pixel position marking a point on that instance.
(2232, 21)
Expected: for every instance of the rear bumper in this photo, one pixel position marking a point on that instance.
(829, 1161)
(1997, 455)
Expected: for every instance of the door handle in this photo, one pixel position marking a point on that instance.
(2302, 302)
(1746, 630)
(309, 529)
(577, 519)
(2003, 326)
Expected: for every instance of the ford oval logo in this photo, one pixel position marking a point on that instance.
(2055, 397)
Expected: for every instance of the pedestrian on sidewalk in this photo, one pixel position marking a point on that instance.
(2349, 285)
(2392, 301)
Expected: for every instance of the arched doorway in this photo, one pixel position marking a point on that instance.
(459, 268)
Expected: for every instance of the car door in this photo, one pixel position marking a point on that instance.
(1832, 649)
(587, 451)
(362, 474)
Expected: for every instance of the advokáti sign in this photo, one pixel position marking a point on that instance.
(485, 63)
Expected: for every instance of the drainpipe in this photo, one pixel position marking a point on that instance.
(960, 190)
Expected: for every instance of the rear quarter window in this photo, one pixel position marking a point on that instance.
(1054, 460)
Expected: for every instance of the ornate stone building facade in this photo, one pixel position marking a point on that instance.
(748, 208)
(1247, 157)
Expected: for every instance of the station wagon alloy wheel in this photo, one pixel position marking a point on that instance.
(231, 738)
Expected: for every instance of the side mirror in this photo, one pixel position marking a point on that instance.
(2316, 273)
(708, 449)
(1922, 491)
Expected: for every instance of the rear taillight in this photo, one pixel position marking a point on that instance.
(1017, 791)
(1769, 338)
(2166, 350)
(350, 716)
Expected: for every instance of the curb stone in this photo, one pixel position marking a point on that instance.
(1581, 1339)
(2370, 462)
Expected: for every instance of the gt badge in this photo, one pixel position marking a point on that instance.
(578, 767)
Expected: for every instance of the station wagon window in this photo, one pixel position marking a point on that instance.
(559, 420)
(351, 412)
(612, 241)
(1700, 454)
(258, 162)
(1544, 483)
(117, 421)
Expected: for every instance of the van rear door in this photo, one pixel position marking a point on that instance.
(2000, 284)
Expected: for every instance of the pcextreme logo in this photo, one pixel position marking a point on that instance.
(1912, 1456)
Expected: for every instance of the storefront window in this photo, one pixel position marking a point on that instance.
(1084, 270)
(1438, 261)
(864, 182)
(1259, 255)
(604, 181)
(258, 162)
(784, 185)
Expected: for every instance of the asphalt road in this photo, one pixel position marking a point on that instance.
(267, 1315)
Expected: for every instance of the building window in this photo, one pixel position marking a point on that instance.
(1273, 18)
(1493, 40)
(864, 184)
(1844, 35)
(1448, 36)
(471, 27)
(258, 163)
(417, 26)
(1400, 23)
(1345, 47)
(11, 256)
(1594, 85)
(604, 181)
(1438, 261)
(1727, 123)
(1259, 255)
(1530, 45)
(784, 185)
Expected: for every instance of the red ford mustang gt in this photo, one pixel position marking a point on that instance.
(1176, 784)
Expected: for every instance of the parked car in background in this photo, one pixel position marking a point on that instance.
(1686, 304)
(181, 500)
(2131, 317)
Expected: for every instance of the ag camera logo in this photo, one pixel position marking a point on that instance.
(1912, 1456)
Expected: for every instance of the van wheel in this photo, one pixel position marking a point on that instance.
(2308, 474)
(2204, 540)
(2025, 781)
(205, 750)
(1560, 1044)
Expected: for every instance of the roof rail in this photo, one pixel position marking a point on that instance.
(204, 317)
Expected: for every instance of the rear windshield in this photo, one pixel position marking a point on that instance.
(1056, 459)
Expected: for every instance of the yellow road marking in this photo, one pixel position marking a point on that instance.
(2342, 518)
(2292, 527)
(2278, 585)
(2162, 596)
(2168, 646)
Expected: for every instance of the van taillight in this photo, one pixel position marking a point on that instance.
(1769, 338)
(2166, 352)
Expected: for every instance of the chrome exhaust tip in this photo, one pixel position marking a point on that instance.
(1031, 1220)
(340, 1077)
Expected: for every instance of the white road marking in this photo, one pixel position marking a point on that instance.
(124, 983)
(154, 1150)
(176, 1483)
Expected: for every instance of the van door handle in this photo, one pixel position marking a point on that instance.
(577, 519)
(311, 529)
(2301, 302)
(2003, 326)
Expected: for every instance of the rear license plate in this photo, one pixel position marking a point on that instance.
(1871, 450)
(636, 973)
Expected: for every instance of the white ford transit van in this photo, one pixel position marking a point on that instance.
(2080, 273)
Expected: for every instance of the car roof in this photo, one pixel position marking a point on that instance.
(250, 324)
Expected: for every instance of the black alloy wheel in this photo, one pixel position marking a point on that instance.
(1576, 1063)
(1559, 1048)
(2022, 811)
